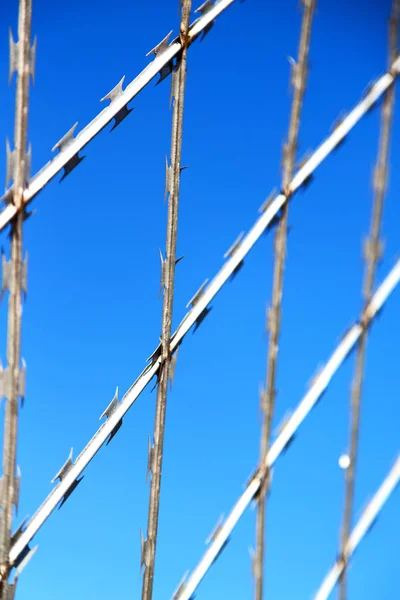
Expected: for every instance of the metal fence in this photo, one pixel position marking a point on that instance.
(169, 60)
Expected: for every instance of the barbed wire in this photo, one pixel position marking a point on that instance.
(69, 474)
(170, 59)
(364, 524)
(318, 387)
(372, 255)
(298, 81)
(12, 378)
(168, 265)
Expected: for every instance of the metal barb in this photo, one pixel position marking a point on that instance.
(66, 140)
(158, 51)
(180, 587)
(108, 412)
(203, 10)
(61, 474)
(217, 528)
(267, 203)
(201, 318)
(196, 297)
(17, 61)
(62, 145)
(12, 163)
(150, 458)
(298, 81)
(24, 558)
(168, 179)
(172, 367)
(161, 47)
(111, 407)
(113, 95)
(71, 488)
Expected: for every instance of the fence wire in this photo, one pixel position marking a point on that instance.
(170, 61)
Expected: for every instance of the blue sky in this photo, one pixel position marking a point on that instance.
(93, 312)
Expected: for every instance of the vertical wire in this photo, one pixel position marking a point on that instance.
(373, 251)
(167, 280)
(21, 61)
(299, 74)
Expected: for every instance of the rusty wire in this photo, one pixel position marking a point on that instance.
(168, 264)
(298, 80)
(14, 278)
(373, 252)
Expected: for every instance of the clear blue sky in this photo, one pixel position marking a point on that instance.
(93, 313)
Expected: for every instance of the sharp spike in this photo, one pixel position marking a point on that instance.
(168, 179)
(70, 166)
(4, 382)
(165, 71)
(217, 528)
(174, 88)
(197, 295)
(61, 145)
(267, 203)
(24, 276)
(180, 588)
(112, 96)
(172, 367)
(155, 356)
(66, 140)
(201, 318)
(22, 564)
(32, 59)
(10, 157)
(231, 251)
(64, 469)
(111, 407)
(17, 487)
(23, 558)
(5, 273)
(203, 9)
(14, 55)
(120, 116)
(224, 545)
(144, 553)
(150, 458)
(114, 431)
(163, 272)
(161, 47)
(17, 533)
(71, 488)
(115, 92)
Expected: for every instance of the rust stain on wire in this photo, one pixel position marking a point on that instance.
(167, 282)
(22, 57)
(298, 80)
(373, 252)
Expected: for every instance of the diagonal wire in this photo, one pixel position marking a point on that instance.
(69, 146)
(372, 257)
(364, 524)
(199, 305)
(167, 281)
(318, 387)
(299, 75)
(21, 60)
